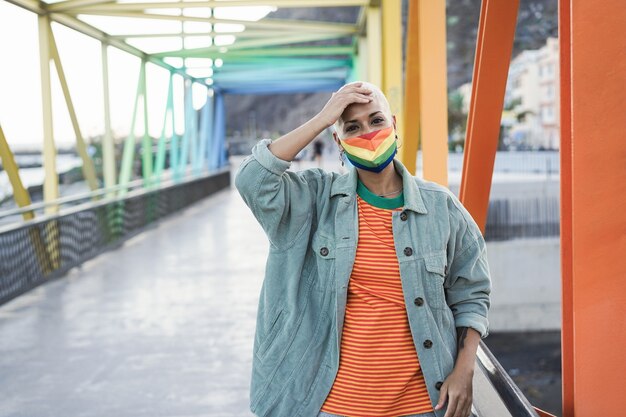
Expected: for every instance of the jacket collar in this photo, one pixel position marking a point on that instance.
(346, 185)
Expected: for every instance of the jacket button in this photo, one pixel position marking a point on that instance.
(428, 343)
(438, 384)
(403, 216)
(419, 301)
(408, 251)
(324, 251)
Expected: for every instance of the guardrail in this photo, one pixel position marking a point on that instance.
(495, 394)
(38, 250)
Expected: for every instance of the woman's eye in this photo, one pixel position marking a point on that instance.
(350, 128)
(378, 120)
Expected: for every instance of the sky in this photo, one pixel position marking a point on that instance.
(20, 86)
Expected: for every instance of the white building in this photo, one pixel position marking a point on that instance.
(532, 92)
(548, 62)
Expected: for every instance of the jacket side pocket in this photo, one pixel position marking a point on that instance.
(270, 336)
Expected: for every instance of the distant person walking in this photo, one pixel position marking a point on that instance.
(376, 287)
(318, 149)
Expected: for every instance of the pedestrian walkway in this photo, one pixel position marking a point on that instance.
(162, 326)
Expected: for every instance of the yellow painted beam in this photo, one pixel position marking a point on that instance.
(20, 193)
(97, 4)
(299, 26)
(412, 96)
(50, 184)
(69, 4)
(89, 171)
(433, 89)
(374, 46)
(392, 61)
(22, 199)
(50, 238)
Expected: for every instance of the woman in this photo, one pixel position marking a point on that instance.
(377, 286)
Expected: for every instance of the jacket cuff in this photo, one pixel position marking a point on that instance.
(473, 320)
(267, 159)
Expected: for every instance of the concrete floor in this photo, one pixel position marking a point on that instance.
(162, 326)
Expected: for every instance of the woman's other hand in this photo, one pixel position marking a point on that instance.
(457, 389)
(346, 95)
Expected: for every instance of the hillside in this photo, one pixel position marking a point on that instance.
(278, 114)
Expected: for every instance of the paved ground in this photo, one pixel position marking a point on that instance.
(163, 326)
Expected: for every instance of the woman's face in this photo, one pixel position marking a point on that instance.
(362, 118)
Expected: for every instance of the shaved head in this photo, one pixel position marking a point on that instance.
(379, 102)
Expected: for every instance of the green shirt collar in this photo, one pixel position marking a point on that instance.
(346, 185)
(378, 201)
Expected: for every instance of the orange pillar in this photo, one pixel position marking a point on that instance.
(494, 46)
(593, 204)
(433, 89)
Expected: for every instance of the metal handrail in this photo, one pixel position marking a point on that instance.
(510, 394)
(82, 196)
(137, 192)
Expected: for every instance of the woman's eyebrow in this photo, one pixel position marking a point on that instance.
(351, 121)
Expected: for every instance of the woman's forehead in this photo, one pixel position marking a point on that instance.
(359, 111)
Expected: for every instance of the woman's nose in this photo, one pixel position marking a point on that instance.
(367, 129)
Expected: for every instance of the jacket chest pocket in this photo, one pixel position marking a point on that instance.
(325, 252)
(435, 270)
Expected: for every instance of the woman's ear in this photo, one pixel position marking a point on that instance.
(394, 121)
(336, 138)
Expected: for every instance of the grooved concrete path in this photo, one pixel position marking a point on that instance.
(162, 326)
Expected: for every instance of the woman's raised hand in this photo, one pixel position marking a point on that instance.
(287, 146)
(346, 95)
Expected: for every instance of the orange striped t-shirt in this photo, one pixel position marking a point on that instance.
(379, 372)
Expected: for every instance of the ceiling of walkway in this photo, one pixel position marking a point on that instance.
(234, 45)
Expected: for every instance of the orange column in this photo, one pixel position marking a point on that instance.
(491, 66)
(593, 224)
(433, 89)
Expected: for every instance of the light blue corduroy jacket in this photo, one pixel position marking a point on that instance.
(310, 218)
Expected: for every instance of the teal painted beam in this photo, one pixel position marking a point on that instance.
(159, 163)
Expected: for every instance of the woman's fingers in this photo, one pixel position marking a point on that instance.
(443, 396)
(341, 99)
(453, 403)
(354, 88)
(356, 97)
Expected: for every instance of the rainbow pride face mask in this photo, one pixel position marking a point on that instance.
(372, 151)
